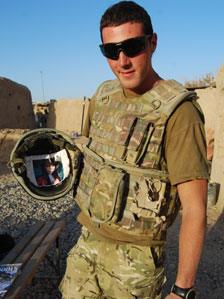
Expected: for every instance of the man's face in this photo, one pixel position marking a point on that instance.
(133, 72)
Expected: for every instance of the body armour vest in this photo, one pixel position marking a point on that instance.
(124, 191)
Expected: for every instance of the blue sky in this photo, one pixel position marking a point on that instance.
(57, 41)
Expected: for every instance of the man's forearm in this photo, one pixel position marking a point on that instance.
(192, 233)
(193, 196)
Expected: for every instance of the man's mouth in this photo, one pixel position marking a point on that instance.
(127, 74)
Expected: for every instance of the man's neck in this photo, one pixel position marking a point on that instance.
(152, 81)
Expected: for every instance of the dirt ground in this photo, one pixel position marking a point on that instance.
(4, 170)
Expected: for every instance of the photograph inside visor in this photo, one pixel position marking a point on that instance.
(130, 47)
(48, 170)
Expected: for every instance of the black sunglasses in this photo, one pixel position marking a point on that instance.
(130, 47)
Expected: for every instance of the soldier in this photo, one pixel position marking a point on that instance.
(146, 154)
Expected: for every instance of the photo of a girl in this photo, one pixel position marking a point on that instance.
(50, 173)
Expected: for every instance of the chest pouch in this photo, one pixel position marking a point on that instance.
(106, 197)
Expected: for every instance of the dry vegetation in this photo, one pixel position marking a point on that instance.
(207, 80)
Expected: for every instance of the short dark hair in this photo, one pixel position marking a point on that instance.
(123, 12)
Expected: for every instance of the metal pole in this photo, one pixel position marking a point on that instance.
(42, 84)
(83, 114)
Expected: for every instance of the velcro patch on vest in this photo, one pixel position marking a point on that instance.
(149, 197)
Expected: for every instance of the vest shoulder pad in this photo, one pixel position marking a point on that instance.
(107, 88)
(170, 94)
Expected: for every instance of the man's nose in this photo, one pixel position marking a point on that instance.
(123, 59)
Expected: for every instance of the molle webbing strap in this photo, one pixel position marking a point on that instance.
(110, 234)
(108, 149)
(133, 170)
(135, 151)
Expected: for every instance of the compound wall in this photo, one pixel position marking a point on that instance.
(212, 103)
(217, 173)
(8, 139)
(68, 115)
(208, 100)
(15, 105)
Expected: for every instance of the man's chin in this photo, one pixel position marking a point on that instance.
(128, 83)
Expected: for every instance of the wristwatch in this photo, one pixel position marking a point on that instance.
(188, 293)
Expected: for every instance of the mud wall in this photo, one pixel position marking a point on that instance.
(16, 105)
(208, 100)
(41, 111)
(8, 139)
(68, 115)
(212, 103)
(217, 173)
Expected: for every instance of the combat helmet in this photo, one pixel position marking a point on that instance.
(46, 163)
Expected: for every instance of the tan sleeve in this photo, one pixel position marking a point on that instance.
(185, 145)
(88, 118)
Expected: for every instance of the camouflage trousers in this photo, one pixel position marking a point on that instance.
(101, 269)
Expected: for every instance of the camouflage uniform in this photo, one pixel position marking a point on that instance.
(125, 195)
(101, 269)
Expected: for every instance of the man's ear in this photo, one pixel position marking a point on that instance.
(153, 43)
